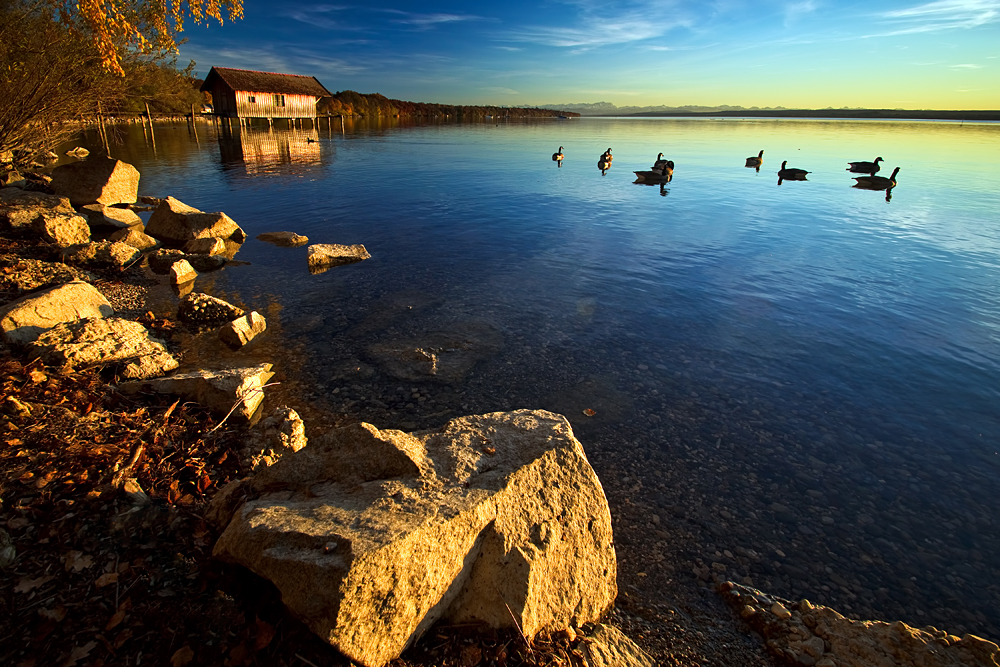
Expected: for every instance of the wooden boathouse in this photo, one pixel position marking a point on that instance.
(246, 94)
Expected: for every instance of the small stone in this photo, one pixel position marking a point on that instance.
(241, 331)
(747, 611)
(283, 239)
(181, 272)
(780, 611)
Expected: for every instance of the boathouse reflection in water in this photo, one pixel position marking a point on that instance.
(263, 152)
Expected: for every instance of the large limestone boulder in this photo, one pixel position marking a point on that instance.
(217, 390)
(101, 216)
(63, 229)
(323, 256)
(25, 319)
(801, 633)
(372, 536)
(19, 208)
(105, 341)
(173, 221)
(98, 180)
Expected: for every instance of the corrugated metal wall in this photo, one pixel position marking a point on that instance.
(263, 105)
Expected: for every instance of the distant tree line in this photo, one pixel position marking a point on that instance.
(350, 103)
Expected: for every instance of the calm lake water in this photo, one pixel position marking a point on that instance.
(800, 381)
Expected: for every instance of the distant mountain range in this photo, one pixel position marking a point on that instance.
(609, 109)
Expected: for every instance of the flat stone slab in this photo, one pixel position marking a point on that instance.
(20, 208)
(101, 216)
(24, 320)
(283, 239)
(104, 253)
(217, 390)
(105, 341)
(323, 256)
(372, 536)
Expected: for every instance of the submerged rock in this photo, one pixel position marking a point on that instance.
(323, 256)
(445, 355)
(202, 308)
(283, 239)
(372, 536)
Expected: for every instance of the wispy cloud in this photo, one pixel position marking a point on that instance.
(942, 15)
(796, 10)
(427, 21)
(596, 27)
(499, 90)
(968, 66)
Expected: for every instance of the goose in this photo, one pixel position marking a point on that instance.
(865, 167)
(877, 182)
(791, 174)
(310, 140)
(755, 161)
(558, 155)
(659, 162)
(663, 173)
(604, 162)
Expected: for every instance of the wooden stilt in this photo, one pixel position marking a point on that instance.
(152, 136)
(194, 127)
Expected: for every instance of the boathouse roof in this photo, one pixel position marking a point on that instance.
(265, 82)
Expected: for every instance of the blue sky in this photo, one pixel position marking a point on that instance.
(943, 54)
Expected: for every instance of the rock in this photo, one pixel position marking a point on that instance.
(373, 536)
(99, 215)
(175, 222)
(136, 238)
(217, 390)
(205, 263)
(78, 152)
(151, 201)
(29, 274)
(105, 341)
(282, 432)
(283, 239)
(201, 308)
(63, 229)
(842, 642)
(25, 319)
(105, 253)
(443, 355)
(182, 272)
(209, 246)
(161, 260)
(133, 491)
(99, 180)
(780, 611)
(241, 331)
(19, 209)
(12, 179)
(609, 647)
(323, 256)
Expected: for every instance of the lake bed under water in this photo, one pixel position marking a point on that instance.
(797, 382)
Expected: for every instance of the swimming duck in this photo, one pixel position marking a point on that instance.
(604, 162)
(877, 182)
(791, 174)
(558, 155)
(755, 161)
(865, 167)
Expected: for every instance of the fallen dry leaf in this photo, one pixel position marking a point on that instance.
(56, 614)
(27, 585)
(37, 376)
(78, 653)
(182, 656)
(78, 561)
(589, 412)
(116, 619)
(106, 578)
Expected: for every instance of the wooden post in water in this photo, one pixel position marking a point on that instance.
(194, 128)
(103, 130)
(149, 116)
(341, 124)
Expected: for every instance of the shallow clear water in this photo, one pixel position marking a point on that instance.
(837, 353)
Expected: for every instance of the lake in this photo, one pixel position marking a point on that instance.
(798, 382)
